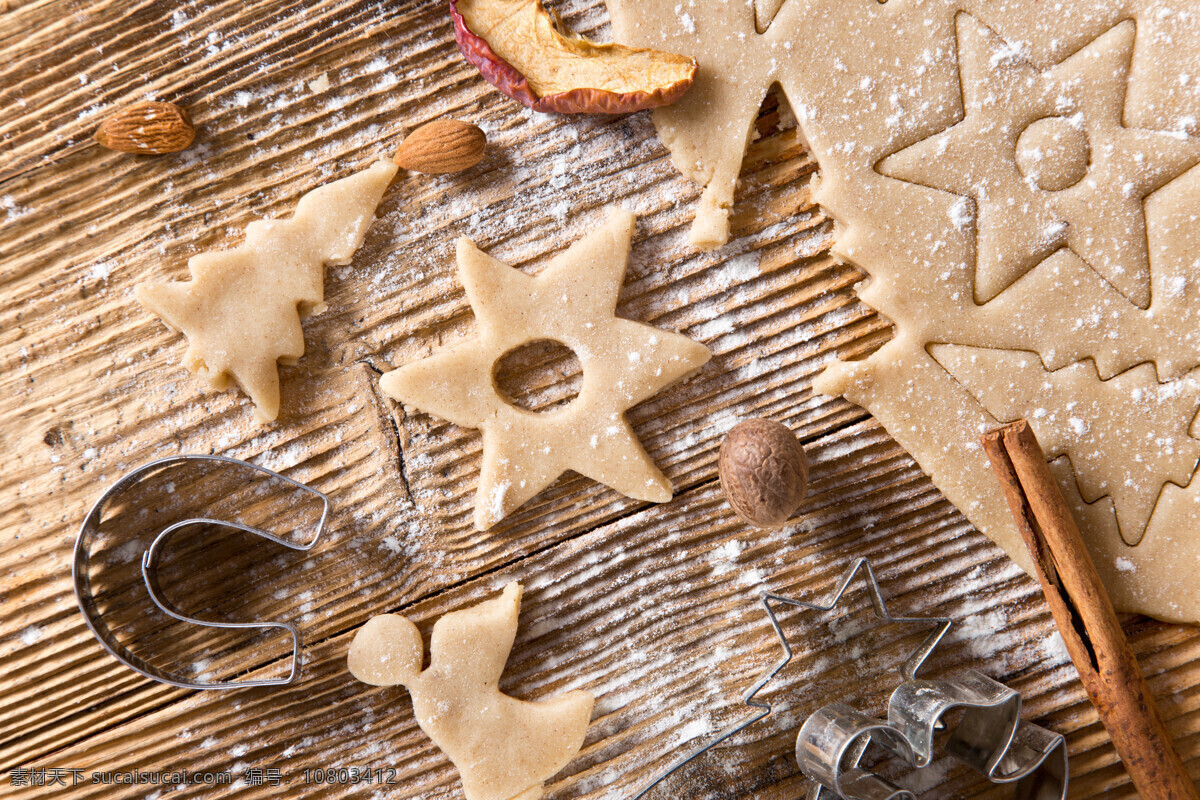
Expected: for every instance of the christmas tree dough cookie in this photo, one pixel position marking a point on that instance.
(503, 748)
(573, 301)
(1020, 185)
(241, 309)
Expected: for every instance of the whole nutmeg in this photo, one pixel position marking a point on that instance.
(441, 146)
(764, 472)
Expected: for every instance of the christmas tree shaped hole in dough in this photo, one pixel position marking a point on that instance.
(242, 308)
(503, 748)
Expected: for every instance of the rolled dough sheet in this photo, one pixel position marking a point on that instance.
(1019, 185)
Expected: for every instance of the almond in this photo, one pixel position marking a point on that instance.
(441, 146)
(149, 127)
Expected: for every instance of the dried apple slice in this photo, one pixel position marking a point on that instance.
(518, 49)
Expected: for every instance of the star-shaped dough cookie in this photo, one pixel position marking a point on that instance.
(1041, 154)
(573, 302)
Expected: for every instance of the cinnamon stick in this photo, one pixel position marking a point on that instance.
(1085, 616)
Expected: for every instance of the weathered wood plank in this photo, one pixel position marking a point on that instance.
(624, 597)
(325, 444)
(666, 630)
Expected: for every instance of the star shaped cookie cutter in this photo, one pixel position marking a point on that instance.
(81, 577)
(762, 709)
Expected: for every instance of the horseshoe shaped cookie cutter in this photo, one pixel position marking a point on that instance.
(81, 578)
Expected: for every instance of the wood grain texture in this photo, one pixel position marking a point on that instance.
(653, 608)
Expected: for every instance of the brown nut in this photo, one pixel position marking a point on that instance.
(441, 146)
(763, 471)
(149, 128)
(518, 48)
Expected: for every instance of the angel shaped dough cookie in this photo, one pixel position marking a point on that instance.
(504, 748)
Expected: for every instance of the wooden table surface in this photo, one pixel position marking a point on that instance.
(653, 608)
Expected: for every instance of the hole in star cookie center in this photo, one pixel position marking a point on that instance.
(1053, 152)
(543, 375)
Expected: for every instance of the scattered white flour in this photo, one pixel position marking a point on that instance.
(960, 213)
(12, 211)
(730, 550)
(927, 778)
(751, 576)
(686, 21)
(724, 556)
(100, 271)
(283, 458)
(32, 634)
(128, 551)
(496, 500)
(1054, 649)
(693, 730)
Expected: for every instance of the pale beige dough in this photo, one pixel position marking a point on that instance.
(573, 302)
(241, 309)
(1127, 437)
(1100, 180)
(1015, 176)
(1054, 153)
(503, 748)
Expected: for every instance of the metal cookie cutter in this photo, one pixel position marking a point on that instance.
(910, 669)
(82, 579)
(990, 737)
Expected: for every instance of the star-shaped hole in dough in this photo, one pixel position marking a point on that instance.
(1048, 161)
(572, 302)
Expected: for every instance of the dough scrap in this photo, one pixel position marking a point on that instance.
(503, 748)
(573, 301)
(927, 117)
(242, 308)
